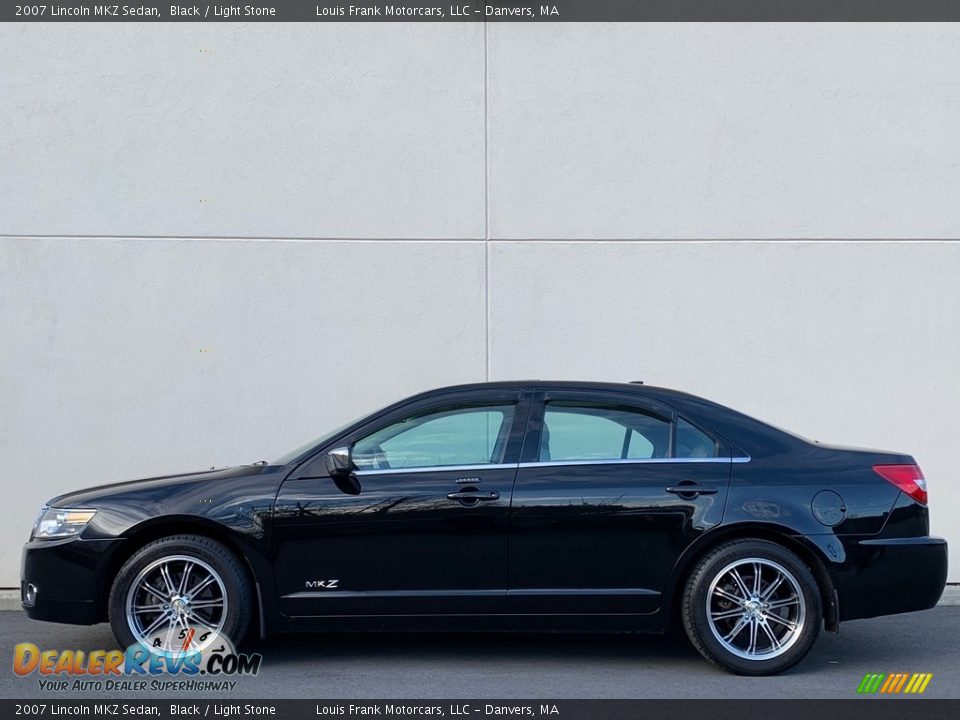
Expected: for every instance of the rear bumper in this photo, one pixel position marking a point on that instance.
(891, 575)
(69, 578)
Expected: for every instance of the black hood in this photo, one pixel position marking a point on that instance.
(89, 497)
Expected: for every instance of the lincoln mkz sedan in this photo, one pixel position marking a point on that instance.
(534, 506)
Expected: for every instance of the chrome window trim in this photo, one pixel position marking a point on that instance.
(551, 463)
(436, 468)
(636, 461)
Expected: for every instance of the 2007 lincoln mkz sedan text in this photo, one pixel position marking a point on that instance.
(500, 506)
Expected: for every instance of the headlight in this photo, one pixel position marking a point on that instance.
(61, 522)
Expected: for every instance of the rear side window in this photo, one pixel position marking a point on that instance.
(572, 432)
(579, 432)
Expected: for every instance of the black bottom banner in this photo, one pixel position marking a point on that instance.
(854, 709)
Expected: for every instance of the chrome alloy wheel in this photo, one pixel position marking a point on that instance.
(176, 604)
(756, 609)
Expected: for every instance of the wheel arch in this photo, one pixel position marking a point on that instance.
(156, 528)
(807, 551)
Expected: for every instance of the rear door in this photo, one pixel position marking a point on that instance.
(609, 492)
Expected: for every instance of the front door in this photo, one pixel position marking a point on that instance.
(599, 513)
(422, 529)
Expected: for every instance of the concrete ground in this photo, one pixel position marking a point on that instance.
(478, 666)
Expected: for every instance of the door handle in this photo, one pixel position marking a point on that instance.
(467, 496)
(691, 489)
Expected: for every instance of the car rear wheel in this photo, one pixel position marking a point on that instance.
(180, 593)
(752, 607)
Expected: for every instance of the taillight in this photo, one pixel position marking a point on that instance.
(908, 478)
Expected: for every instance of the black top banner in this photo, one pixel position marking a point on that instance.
(491, 11)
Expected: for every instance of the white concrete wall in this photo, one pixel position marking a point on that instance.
(422, 205)
(724, 130)
(279, 130)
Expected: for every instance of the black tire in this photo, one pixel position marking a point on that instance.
(227, 566)
(703, 632)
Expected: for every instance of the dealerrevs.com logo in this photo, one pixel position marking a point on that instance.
(210, 667)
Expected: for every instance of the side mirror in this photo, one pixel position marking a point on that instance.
(338, 462)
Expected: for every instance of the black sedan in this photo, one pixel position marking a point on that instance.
(516, 505)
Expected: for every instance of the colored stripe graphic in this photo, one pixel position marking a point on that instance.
(921, 682)
(870, 683)
(894, 683)
(903, 679)
(890, 683)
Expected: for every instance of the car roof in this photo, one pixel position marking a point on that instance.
(632, 386)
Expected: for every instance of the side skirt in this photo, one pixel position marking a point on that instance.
(527, 623)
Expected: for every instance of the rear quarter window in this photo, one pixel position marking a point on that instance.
(692, 443)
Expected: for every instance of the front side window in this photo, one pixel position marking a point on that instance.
(572, 432)
(474, 435)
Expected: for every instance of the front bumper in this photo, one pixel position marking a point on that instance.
(70, 577)
(891, 575)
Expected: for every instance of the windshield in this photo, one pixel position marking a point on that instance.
(303, 449)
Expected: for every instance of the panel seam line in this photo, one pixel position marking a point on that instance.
(486, 202)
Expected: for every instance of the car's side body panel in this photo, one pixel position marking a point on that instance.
(398, 547)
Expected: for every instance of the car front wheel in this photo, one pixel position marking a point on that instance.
(752, 607)
(180, 593)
